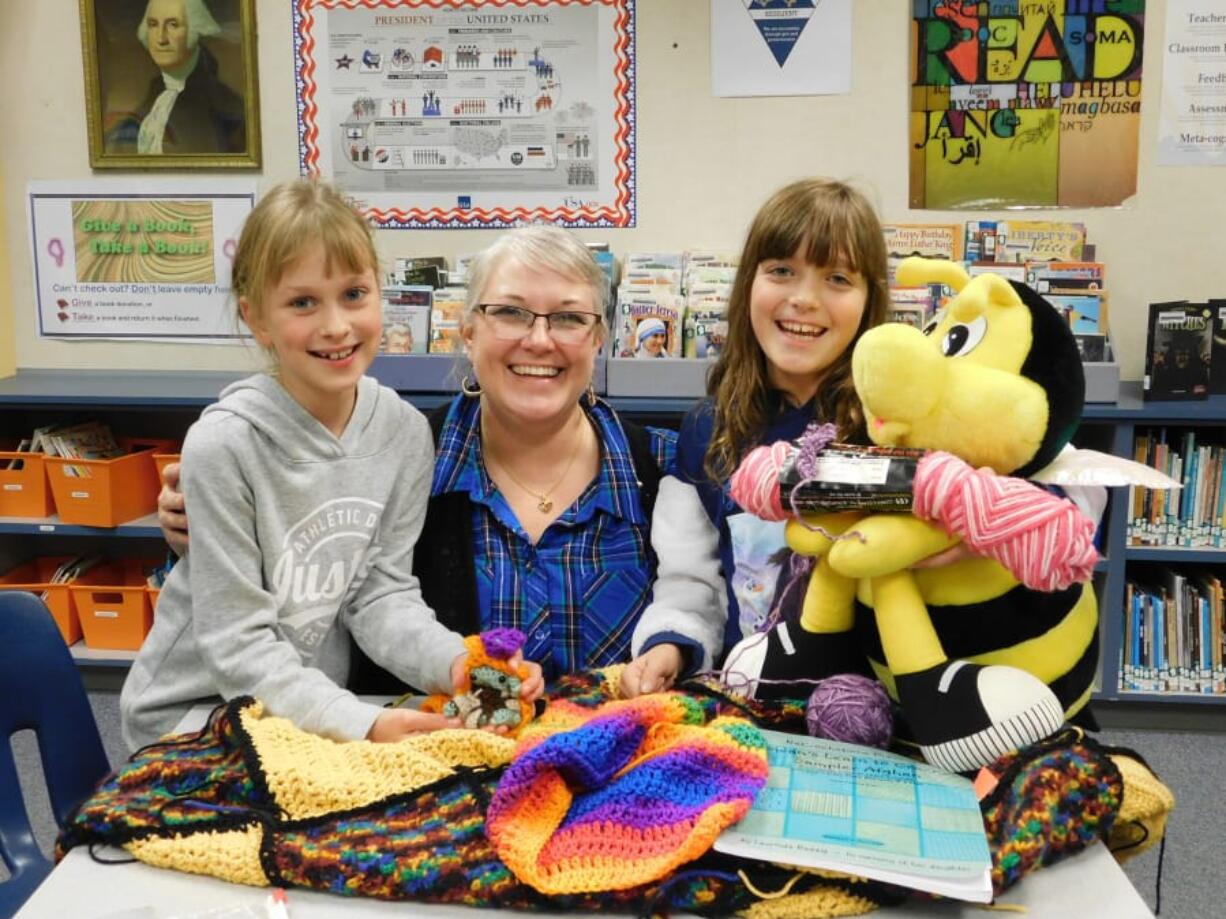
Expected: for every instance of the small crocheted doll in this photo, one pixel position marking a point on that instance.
(489, 695)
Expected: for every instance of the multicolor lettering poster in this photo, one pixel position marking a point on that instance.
(470, 113)
(137, 259)
(1025, 103)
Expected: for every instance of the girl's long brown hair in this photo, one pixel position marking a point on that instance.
(837, 224)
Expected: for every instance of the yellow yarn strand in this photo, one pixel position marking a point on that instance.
(781, 892)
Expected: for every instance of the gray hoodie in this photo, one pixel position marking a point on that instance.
(299, 539)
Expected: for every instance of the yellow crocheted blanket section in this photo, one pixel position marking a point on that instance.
(309, 775)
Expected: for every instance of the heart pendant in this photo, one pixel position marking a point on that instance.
(544, 505)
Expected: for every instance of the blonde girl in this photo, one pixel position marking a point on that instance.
(308, 487)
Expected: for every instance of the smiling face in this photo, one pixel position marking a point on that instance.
(324, 327)
(533, 380)
(804, 317)
(166, 21)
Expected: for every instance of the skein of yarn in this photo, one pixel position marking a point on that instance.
(850, 708)
(1042, 539)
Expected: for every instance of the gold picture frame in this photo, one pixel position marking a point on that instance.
(171, 84)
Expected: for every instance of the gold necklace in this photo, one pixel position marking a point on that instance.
(544, 503)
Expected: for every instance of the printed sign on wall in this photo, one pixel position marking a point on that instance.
(129, 260)
(1017, 103)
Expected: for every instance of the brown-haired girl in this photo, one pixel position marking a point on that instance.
(811, 281)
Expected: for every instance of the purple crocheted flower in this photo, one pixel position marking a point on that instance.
(501, 644)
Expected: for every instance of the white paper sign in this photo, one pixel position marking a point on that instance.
(1192, 123)
(136, 259)
(780, 47)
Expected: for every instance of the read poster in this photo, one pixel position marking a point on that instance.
(129, 260)
(470, 113)
(1025, 103)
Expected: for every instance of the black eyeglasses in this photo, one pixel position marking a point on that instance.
(514, 322)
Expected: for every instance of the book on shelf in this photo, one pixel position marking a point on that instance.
(929, 240)
(406, 319)
(1006, 270)
(1179, 344)
(1192, 516)
(1172, 637)
(1039, 241)
(1084, 312)
(912, 314)
(1217, 381)
(863, 811)
(1066, 277)
(445, 314)
(1092, 346)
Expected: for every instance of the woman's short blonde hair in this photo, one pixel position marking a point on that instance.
(289, 219)
(539, 246)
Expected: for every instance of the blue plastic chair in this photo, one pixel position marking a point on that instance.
(40, 690)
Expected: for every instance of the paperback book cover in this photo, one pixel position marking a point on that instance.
(930, 240)
(406, 321)
(862, 811)
(1217, 370)
(1178, 350)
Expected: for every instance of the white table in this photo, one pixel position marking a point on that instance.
(1090, 884)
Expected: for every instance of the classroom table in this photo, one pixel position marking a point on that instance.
(1089, 884)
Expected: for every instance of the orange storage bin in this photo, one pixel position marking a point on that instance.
(116, 615)
(35, 576)
(153, 598)
(161, 461)
(24, 492)
(105, 493)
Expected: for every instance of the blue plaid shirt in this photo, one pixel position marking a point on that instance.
(578, 591)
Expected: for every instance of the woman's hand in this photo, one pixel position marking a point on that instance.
(399, 723)
(172, 516)
(654, 670)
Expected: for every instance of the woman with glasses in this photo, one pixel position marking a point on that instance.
(542, 496)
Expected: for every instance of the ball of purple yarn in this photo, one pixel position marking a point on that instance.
(852, 709)
(501, 644)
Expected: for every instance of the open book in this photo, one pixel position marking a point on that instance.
(865, 812)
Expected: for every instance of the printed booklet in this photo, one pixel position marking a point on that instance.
(862, 811)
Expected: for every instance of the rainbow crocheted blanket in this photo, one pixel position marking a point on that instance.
(601, 805)
(251, 799)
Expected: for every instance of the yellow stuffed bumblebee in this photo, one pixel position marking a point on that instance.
(979, 663)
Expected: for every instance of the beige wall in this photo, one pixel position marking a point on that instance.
(704, 163)
(8, 346)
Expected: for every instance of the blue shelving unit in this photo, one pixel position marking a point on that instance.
(430, 380)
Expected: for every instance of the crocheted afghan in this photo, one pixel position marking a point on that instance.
(253, 800)
(621, 796)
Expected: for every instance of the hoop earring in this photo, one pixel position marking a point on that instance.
(591, 395)
(469, 389)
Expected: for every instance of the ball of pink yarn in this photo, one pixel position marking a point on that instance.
(852, 709)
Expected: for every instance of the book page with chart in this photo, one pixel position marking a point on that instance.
(866, 812)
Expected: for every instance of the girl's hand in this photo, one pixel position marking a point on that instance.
(653, 671)
(958, 552)
(171, 514)
(399, 723)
